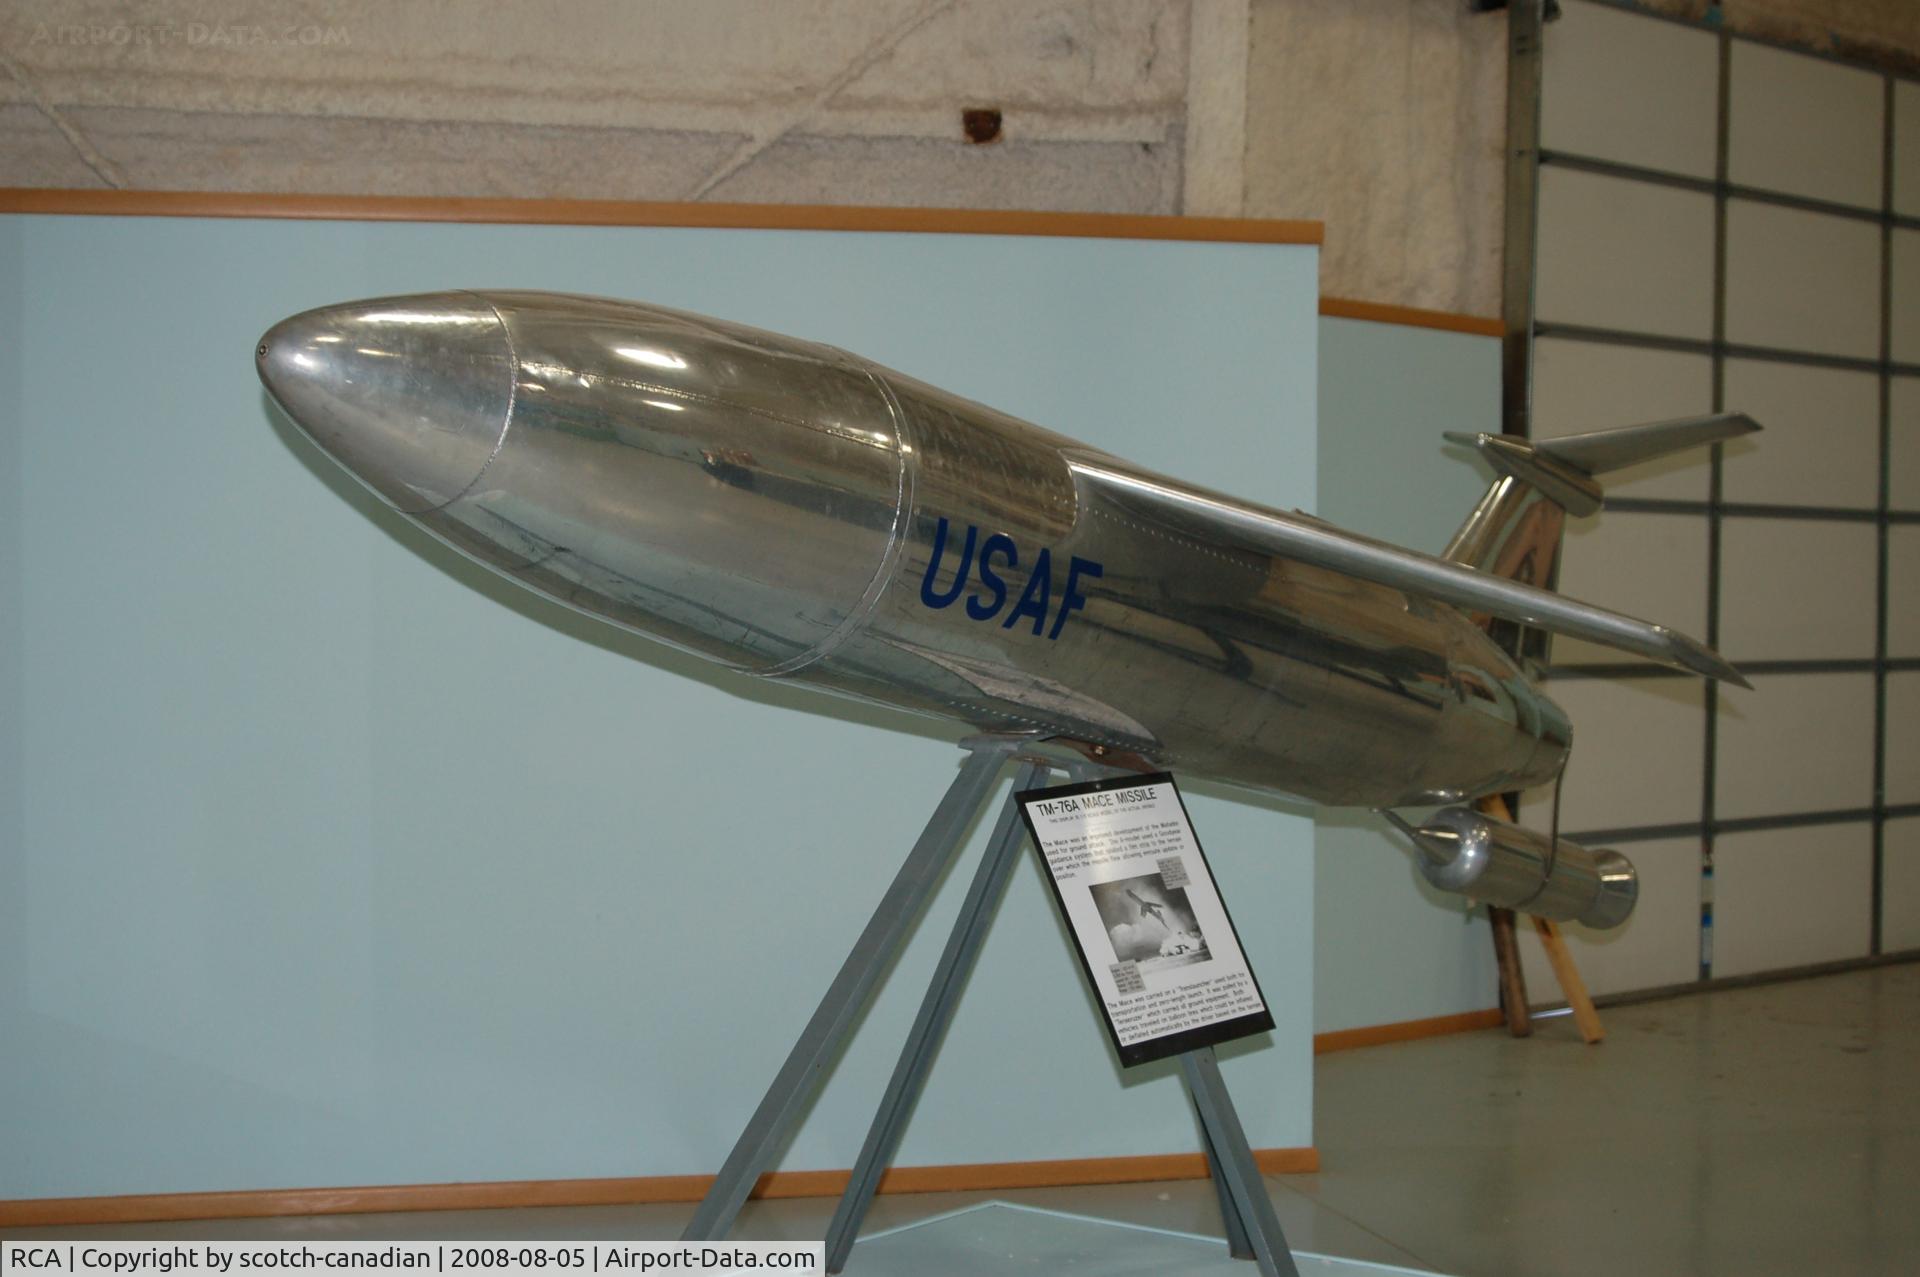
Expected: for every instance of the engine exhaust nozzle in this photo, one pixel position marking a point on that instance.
(1504, 865)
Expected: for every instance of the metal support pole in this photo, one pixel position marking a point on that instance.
(1524, 21)
(936, 1013)
(1227, 1141)
(772, 1123)
(1239, 1245)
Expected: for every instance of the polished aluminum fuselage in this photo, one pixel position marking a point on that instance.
(798, 513)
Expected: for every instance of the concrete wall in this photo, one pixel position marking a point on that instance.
(1384, 119)
(1381, 117)
(811, 100)
(1220, 107)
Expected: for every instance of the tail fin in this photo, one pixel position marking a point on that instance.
(1525, 547)
(1562, 470)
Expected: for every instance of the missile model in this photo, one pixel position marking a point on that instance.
(795, 512)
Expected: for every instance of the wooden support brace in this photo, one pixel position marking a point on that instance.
(1506, 948)
(1571, 984)
(1513, 982)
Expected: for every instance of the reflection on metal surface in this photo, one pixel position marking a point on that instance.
(1486, 522)
(791, 511)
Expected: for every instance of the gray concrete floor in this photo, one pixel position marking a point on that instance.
(1749, 1131)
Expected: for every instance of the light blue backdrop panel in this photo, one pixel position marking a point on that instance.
(1387, 947)
(330, 859)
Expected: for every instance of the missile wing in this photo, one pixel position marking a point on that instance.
(1308, 540)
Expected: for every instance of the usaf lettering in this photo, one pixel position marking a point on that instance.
(999, 552)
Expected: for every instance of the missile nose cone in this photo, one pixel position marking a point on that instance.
(411, 394)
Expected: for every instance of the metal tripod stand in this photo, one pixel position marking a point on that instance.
(1253, 1231)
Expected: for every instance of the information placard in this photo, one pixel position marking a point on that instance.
(1138, 895)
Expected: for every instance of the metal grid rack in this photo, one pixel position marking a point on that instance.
(1727, 194)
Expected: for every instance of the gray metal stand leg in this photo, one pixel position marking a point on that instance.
(1228, 1140)
(936, 1013)
(772, 1123)
(1238, 1244)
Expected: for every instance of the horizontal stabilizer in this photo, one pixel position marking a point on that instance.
(1206, 515)
(1562, 469)
(1599, 451)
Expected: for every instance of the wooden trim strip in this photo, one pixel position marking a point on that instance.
(1412, 317)
(62, 1212)
(1406, 1030)
(563, 212)
(796, 217)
